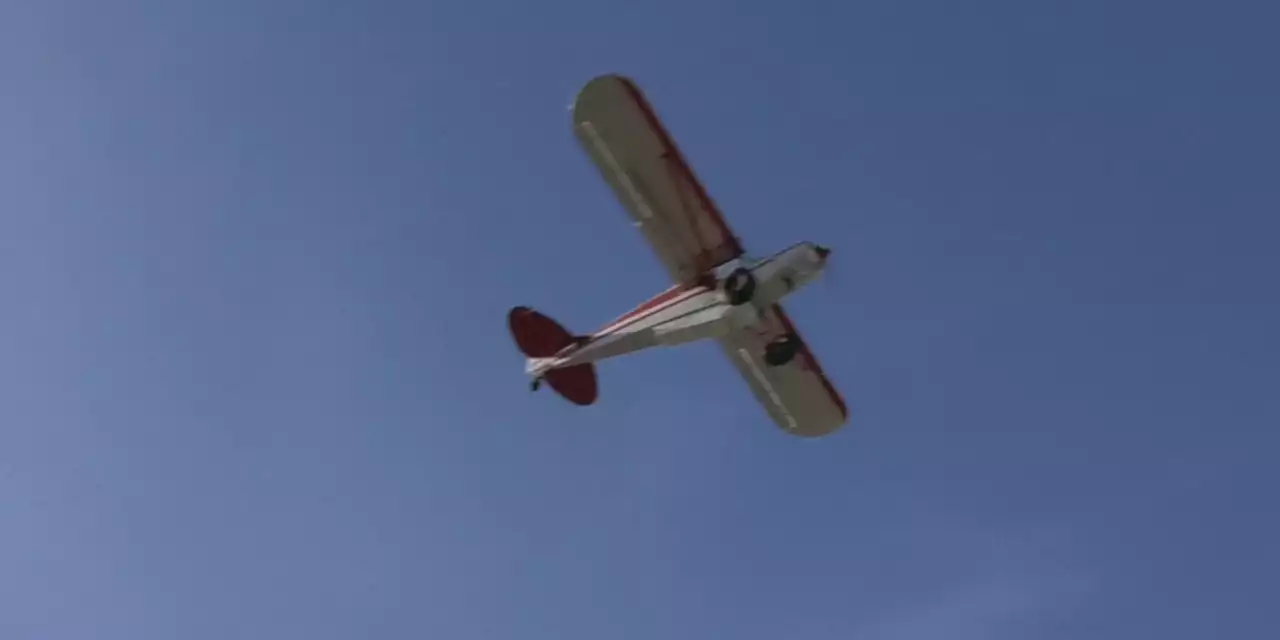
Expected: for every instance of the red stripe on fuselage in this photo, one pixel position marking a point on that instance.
(649, 307)
(659, 302)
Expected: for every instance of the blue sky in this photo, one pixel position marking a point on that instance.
(256, 382)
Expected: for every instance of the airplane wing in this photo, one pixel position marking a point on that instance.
(798, 395)
(633, 151)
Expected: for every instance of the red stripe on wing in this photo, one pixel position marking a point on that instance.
(710, 256)
(811, 361)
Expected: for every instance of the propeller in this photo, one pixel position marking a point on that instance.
(827, 272)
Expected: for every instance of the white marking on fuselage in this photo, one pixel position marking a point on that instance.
(639, 332)
(650, 312)
(768, 388)
(646, 211)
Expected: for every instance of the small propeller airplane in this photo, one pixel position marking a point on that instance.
(719, 293)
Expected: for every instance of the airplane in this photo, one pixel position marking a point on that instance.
(719, 293)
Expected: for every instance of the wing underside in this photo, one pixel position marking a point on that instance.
(621, 133)
(798, 396)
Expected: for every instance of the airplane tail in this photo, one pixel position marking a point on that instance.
(540, 339)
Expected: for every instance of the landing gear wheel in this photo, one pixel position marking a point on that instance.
(740, 286)
(782, 350)
(537, 382)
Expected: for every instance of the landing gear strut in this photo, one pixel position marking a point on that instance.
(782, 350)
(535, 384)
(740, 286)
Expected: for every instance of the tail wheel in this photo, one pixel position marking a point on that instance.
(782, 350)
(740, 286)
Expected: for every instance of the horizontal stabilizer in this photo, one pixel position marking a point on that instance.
(577, 384)
(540, 337)
(536, 335)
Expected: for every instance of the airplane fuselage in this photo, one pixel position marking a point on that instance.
(707, 309)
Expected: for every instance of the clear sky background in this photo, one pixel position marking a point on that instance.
(256, 382)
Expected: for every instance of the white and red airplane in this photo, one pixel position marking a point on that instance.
(720, 293)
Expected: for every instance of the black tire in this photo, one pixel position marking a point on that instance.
(782, 351)
(740, 286)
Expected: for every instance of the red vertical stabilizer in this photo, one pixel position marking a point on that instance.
(538, 336)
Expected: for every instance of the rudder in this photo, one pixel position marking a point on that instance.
(538, 336)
